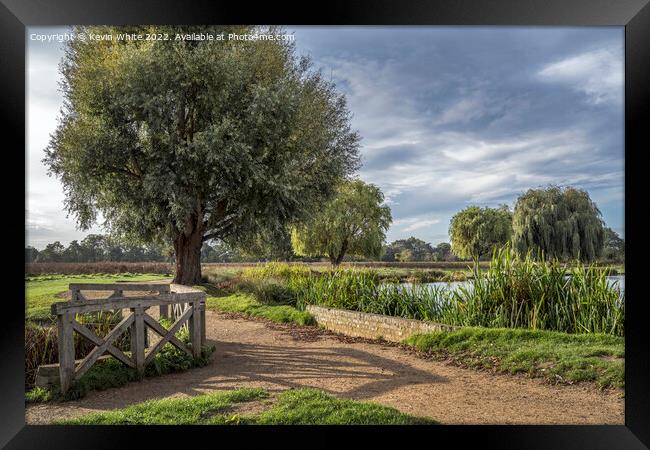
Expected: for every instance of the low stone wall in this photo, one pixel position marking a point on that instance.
(372, 326)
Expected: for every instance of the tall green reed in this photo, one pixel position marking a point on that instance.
(533, 293)
(513, 292)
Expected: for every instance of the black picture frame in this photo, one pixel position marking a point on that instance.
(634, 15)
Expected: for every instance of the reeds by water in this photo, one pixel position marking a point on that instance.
(539, 294)
(512, 292)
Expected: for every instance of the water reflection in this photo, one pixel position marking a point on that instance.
(615, 281)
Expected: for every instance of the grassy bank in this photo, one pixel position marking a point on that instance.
(558, 357)
(292, 407)
(41, 291)
(249, 304)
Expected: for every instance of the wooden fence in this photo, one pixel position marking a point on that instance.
(187, 308)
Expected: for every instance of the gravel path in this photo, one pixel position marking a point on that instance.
(253, 353)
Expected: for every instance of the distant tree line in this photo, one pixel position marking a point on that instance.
(96, 248)
(100, 248)
(414, 249)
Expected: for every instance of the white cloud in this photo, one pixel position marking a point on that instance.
(463, 111)
(415, 223)
(597, 73)
(438, 131)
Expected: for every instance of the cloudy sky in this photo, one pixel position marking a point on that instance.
(449, 117)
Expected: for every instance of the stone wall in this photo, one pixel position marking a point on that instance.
(372, 326)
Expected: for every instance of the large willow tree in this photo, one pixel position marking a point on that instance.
(184, 141)
(476, 231)
(563, 223)
(354, 222)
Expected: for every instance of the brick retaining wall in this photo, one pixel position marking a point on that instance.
(372, 326)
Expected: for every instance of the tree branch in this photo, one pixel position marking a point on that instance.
(209, 236)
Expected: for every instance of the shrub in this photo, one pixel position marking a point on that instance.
(421, 276)
(271, 292)
(454, 276)
(277, 270)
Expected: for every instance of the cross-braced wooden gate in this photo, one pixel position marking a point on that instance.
(188, 309)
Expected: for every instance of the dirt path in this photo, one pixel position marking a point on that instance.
(256, 354)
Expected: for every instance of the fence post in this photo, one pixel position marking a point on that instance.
(195, 329)
(137, 338)
(164, 311)
(66, 350)
(202, 309)
(118, 293)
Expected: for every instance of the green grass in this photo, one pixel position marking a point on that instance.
(313, 407)
(559, 357)
(293, 407)
(249, 305)
(41, 291)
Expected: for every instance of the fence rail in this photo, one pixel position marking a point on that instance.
(188, 310)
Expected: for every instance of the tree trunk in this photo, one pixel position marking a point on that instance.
(188, 258)
(336, 260)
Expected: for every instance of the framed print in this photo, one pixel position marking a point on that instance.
(385, 215)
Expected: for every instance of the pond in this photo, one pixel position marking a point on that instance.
(614, 281)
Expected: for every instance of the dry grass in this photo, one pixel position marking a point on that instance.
(35, 269)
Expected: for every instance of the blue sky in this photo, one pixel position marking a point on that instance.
(449, 117)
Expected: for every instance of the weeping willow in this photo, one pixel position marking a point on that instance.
(559, 222)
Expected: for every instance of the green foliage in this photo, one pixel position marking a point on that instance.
(560, 223)
(275, 270)
(422, 276)
(475, 231)
(249, 305)
(513, 292)
(414, 249)
(558, 357)
(294, 406)
(363, 290)
(185, 141)
(340, 288)
(613, 246)
(354, 223)
(540, 294)
(38, 395)
(31, 253)
(271, 292)
(95, 248)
